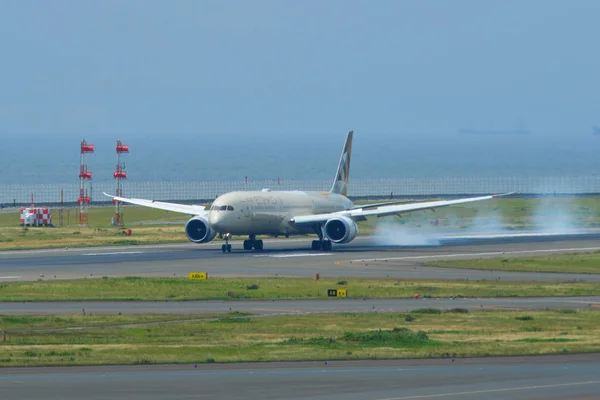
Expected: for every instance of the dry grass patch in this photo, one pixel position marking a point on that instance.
(312, 337)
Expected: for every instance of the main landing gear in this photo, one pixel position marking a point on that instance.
(252, 243)
(324, 245)
(321, 244)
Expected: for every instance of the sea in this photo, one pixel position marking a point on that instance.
(55, 159)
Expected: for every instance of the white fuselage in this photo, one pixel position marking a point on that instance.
(270, 212)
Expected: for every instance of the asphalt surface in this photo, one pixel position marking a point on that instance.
(291, 257)
(520, 378)
(557, 377)
(284, 307)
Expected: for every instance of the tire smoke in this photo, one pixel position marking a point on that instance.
(390, 233)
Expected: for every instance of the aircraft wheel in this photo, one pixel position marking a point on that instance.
(229, 248)
(247, 244)
(327, 245)
(316, 245)
(224, 248)
(258, 244)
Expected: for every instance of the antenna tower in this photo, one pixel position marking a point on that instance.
(119, 175)
(85, 176)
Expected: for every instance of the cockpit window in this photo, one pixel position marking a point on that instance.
(221, 208)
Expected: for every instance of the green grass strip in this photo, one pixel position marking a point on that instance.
(135, 288)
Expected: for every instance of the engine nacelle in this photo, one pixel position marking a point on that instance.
(198, 230)
(341, 229)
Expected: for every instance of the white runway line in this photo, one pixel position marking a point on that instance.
(160, 247)
(113, 253)
(491, 253)
(10, 277)
(509, 389)
(295, 255)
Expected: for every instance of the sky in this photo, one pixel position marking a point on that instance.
(260, 68)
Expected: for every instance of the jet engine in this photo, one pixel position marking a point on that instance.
(198, 230)
(341, 229)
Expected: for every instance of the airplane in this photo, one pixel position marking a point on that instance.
(330, 215)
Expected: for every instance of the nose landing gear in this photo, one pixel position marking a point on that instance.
(226, 247)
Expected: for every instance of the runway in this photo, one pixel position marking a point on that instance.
(295, 307)
(291, 257)
(574, 377)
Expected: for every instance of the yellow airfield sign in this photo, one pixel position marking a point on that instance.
(336, 292)
(198, 276)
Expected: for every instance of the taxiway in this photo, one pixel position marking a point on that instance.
(517, 378)
(295, 307)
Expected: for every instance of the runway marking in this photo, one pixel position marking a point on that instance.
(491, 253)
(10, 277)
(113, 253)
(294, 255)
(163, 246)
(430, 396)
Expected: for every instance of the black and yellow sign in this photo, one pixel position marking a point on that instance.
(198, 276)
(336, 292)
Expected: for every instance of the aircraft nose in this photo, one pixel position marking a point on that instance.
(215, 220)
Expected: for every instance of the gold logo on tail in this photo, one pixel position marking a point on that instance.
(340, 184)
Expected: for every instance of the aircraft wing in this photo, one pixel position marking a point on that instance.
(178, 208)
(385, 210)
(375, 205)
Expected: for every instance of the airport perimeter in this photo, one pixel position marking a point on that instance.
(206, 191)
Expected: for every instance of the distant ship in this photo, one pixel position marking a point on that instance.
(596, 130)
(468, 131)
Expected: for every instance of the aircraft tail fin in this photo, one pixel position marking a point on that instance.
(340, 183)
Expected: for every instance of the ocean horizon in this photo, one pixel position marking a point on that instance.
(48, 159)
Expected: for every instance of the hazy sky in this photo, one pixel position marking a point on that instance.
(281, 67)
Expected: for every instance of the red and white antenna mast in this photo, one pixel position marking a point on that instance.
(119, 175)
(85, 176)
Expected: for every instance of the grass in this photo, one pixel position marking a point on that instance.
(135, 288)
(342, 336)
(508, 214)
(24, 323)
(100, 217)
(37, 238)
(149, 226)
(588, 263)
